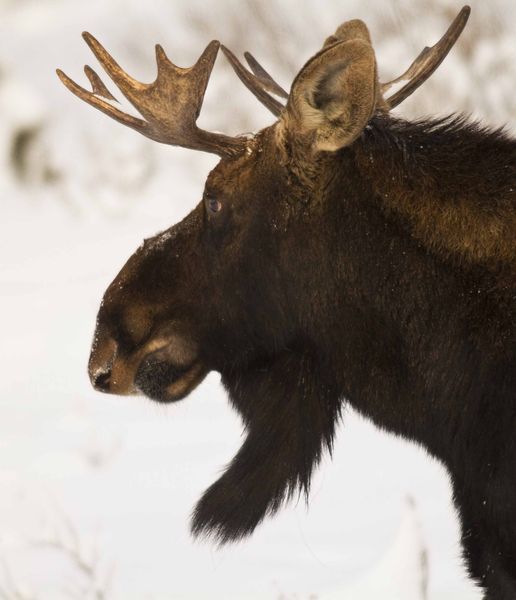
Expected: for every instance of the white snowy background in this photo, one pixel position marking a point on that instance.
(96, 491)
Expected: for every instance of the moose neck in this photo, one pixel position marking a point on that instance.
(381, 317)
(446, 180)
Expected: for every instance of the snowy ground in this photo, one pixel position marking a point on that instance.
(96, 491)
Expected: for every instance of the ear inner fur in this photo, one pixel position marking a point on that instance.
(334, 96)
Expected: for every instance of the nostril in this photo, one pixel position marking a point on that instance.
(101, 381)
(101, 361)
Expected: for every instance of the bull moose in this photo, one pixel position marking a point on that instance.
(340, 255)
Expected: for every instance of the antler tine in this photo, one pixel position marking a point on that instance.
(93, 100)
(256, 84)
(427, 61)
(265, 79)
(97, 85)
(169, 106)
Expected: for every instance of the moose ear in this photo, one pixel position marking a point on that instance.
(335, 94)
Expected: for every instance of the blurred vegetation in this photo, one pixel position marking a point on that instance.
(56, 147)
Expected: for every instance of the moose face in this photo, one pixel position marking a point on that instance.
(209, 291)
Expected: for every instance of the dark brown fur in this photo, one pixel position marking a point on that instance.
(338, 256)
(384, 278)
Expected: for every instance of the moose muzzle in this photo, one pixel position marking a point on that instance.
(164, 369)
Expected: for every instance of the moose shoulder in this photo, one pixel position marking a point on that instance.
(339, 255)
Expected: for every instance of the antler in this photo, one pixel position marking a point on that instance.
(258, 82)
(169, 106)
(427, 61)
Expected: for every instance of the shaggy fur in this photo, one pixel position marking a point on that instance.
(461, 207)
(385, 279)
(338, 256)
(290, 410)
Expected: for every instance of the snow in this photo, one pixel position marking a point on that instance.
(402, 574)
(96, 491)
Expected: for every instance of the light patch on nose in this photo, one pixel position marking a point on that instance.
(99, 372)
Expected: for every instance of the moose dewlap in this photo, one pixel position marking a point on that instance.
(341, 255)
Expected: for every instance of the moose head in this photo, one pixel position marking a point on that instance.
(219, 290)
(332, 257)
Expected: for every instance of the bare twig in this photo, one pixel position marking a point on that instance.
(95, 581)
(10, 589)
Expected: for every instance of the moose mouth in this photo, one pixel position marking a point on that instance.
(165, 382)
(163, 370)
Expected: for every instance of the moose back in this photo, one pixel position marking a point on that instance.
(341, 255)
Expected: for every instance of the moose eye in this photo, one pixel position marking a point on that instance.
(213, 204)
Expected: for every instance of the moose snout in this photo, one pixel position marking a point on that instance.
(100, 365)
(100, 380)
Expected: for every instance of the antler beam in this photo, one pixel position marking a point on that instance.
(427, 61)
